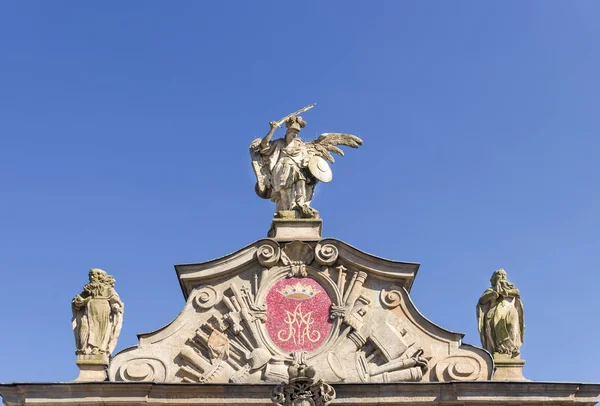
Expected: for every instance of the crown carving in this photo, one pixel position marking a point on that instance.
(299, 291)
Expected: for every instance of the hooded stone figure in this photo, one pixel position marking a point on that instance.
(500, 317)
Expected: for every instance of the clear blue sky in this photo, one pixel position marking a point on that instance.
(125, 126)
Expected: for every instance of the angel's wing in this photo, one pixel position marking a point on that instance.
(328, 143)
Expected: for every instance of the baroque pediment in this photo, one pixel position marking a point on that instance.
(349, 314)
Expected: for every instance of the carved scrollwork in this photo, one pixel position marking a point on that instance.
(459, 368)
(268, 254)
(326, 254)
(391, 297)
(206, 297)
(142, 370)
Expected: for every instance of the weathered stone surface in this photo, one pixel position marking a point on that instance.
(350, 311)
(288, 169)
(295, 229)
(97, 320)
(508, 368)
(501, 326)
(408, 394)
(303, 388)
(500, 316)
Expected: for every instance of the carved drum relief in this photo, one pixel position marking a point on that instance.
(298, 298)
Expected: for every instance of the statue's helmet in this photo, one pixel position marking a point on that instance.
(295, 123)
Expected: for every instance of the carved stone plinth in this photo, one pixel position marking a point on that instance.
(288, 229)
(92, 368)
(508, 369)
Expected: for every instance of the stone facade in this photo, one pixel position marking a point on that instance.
(405, 394)
(302, 322)
(298, 320)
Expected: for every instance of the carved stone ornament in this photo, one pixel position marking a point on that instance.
(297, 255)
(97, 320)
(206, 297)
(500, 317)
(253, 315)
(288, 169)
(326, 254)
(268, 254)
(302, 389)
(501, 326)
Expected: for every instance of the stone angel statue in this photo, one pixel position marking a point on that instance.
(500, 317)
(288, 169)
(97, 317)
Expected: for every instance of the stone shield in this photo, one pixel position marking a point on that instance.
(320, 169)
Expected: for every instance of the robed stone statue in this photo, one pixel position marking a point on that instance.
(500, 317)
(97, 316)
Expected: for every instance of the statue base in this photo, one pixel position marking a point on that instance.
(508, 369)
(92, 367)
(289, 229)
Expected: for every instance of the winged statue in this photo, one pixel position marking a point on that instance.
(288, 169)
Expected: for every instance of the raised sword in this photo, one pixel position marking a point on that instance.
(295, 113)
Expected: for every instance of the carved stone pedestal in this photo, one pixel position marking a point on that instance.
(92, 368)
(508, 369)
(288, 229)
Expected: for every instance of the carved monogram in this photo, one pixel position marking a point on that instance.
(299, 327)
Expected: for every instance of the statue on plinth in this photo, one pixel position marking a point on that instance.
(288, 169)
(501, 326)
(500, 317)
(97, 321)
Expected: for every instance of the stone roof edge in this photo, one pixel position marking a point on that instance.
(231, 262)
(422, 393)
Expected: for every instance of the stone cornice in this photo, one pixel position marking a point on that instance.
(193, 274)
(456, 393)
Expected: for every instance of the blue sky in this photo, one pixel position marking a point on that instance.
(124, 133)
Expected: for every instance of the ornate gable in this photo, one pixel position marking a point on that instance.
(347, 313)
